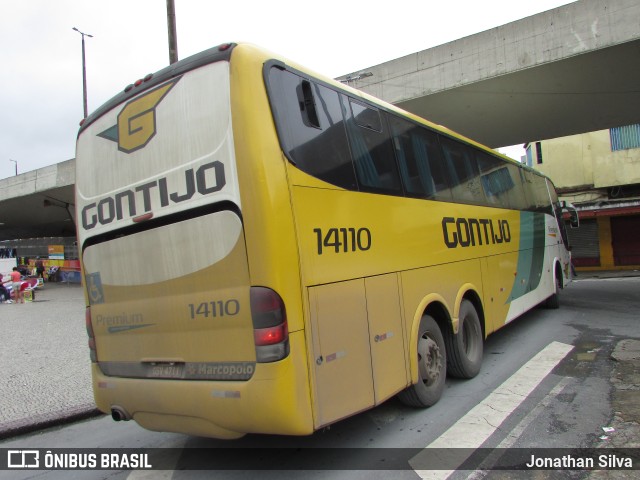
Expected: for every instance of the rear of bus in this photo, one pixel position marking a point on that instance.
(187, 324)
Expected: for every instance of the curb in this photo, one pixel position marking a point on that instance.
(605, 274)
(47, 420)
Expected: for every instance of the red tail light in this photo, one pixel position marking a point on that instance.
(92, 338)
(270, 331)
(270, 336)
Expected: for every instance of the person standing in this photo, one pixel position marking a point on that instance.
(16, 278)
(40, 268)
(4, 293)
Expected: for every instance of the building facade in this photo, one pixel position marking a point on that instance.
(599, 172)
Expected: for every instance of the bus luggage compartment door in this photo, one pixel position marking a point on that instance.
(358, 345)
(341, 351)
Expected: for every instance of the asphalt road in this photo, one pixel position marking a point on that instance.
(592, 385)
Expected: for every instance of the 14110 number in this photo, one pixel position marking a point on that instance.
(215, 309)
(343, 240)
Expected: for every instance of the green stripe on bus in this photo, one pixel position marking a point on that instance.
(531, 255)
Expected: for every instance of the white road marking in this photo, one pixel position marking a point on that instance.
(472, 430)
(519, 429)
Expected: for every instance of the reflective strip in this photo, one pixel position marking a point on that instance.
(225, 393)
(335, 356)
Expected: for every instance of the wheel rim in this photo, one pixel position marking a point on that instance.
(429, 359)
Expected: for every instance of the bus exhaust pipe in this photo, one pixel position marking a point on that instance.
(120, 414)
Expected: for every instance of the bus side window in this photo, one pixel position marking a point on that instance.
(519, 198)
(496, 180)
(371, 149)
(557, 211)
(543, 195)
(463, 172)
(538, 194)
(419, 160)
(311, 128)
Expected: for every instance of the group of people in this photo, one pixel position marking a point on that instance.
(15, 279)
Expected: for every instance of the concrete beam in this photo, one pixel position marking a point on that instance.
(61, 174)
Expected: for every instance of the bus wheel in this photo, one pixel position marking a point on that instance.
(432, 367)
(465, 349)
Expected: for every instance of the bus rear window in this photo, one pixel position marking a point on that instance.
(372, 150)
(311, 128)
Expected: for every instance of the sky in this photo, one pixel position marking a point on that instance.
(41, 55)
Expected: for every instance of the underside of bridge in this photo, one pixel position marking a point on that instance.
(587, 92)
(39, 203)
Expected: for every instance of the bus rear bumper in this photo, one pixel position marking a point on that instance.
(196, 426)
(274, 401)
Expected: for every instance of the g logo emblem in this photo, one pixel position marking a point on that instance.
(137, 120)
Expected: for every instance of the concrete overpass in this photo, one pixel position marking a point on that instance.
(569, 70)
(38, 203)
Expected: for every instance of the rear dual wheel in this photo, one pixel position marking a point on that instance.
(432, 366)
(460, 354)
(465, 349)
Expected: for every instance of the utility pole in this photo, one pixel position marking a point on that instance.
(16, 162)
(173, 38)
(84, 72)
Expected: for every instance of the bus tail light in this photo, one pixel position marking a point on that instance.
(92, 338)
(270, 331)
(270, 336)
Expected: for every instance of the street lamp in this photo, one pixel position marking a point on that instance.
(173, 38)
(16, 162)
(84, 72)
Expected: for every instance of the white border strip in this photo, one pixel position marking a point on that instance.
(472, 430)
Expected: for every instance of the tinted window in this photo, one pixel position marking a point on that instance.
(537, 194)
(371, 149)
(419, 160)
(311, 127)
(463, 171)
(495, 176)
(365, 116)
(557, 210)
(354, 145)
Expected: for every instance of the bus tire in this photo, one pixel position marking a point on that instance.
(432, 366)
(465, 349)
(553, 302)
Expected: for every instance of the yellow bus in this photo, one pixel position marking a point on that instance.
(266, 250)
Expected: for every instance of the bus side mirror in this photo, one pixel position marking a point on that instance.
(574, 221)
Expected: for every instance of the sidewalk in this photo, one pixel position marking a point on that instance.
(45, 376)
